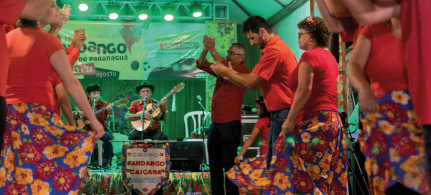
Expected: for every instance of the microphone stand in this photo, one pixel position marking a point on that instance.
(203, 131)
(142, 117)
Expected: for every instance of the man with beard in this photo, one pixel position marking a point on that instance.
(271, 73)
(225, 130)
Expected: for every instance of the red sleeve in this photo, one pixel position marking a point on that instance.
(10, 10)
(206, 67)
(70, 48)
(268, 64)
(133, 109)
(73, 56)
(349, 29)
(367, 32)
(260, 124)
(53, 45)
(58, 82)
(309, 57)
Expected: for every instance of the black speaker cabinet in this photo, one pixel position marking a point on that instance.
(247, 126)
(186, 156)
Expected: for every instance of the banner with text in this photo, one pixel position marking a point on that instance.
(137, 51)
(145, 166)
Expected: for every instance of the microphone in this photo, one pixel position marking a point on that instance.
(145, 98)
(199, 98)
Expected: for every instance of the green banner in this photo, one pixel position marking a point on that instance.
(137, 51)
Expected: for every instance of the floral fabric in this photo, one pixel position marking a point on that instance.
(40, 154)
(311, 160)
(393, 145)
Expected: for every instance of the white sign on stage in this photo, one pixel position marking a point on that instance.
(145, 167)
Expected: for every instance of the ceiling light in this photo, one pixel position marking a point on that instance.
(113, 12)
(169, 13)
(196, 9)
(142, 12)
(83, 5)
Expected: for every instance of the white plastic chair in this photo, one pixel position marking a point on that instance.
(194, 114)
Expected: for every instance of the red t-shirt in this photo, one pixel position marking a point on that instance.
(138, 106)
(323, 92)
(275, 66)
(415, 16)
(227, 97)
(384, 67)
(10, 10)
(30, 76)
(263, 126)
(73, 55)
(102, 115)
(351, 29)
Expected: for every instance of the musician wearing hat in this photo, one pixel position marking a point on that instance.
(97, 102)
(153, 131)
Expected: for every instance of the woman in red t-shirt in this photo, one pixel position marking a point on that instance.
(52, 156)
(392, 137)
(261, 128)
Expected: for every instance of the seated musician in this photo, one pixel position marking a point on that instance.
(93, 95)
(153, 132)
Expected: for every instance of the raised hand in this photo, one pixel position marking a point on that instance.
(209, 43)
(78, 38)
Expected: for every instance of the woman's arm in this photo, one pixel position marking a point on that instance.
(366, 12)
(333, 24)
(356, 66)
(248, 143)
(305, 84)
(63, 100)
(61, 64)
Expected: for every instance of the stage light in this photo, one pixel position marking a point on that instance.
(113, 12)
(142, 12)
(83, 5)
(196, 9)
(169, 13)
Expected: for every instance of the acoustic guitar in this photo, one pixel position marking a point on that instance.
(82, 121)
(154, 110)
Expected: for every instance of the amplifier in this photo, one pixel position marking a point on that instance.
(247, 126)
(186, 155)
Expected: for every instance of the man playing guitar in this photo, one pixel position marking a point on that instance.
(93, 95)
(145, 90)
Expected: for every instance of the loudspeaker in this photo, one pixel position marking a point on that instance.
(247, 126)
(186, 156)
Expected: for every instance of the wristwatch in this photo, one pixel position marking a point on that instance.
(213, 53)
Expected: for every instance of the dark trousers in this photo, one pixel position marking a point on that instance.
(3, 109)
(223, 141)
(152, 134)
(277, 120)
(427, 143)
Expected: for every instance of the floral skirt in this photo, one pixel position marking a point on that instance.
(393, 145)
(312, 160)
(40, 154)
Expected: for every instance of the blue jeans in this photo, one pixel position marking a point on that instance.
(277, 120)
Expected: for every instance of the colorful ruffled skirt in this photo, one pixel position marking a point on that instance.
(40, 154)
(393, 145)
(311, 160)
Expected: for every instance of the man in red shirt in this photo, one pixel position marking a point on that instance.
(271, 73)
(10, 10)
(93, 95)
(225, 130)
(145, 90)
